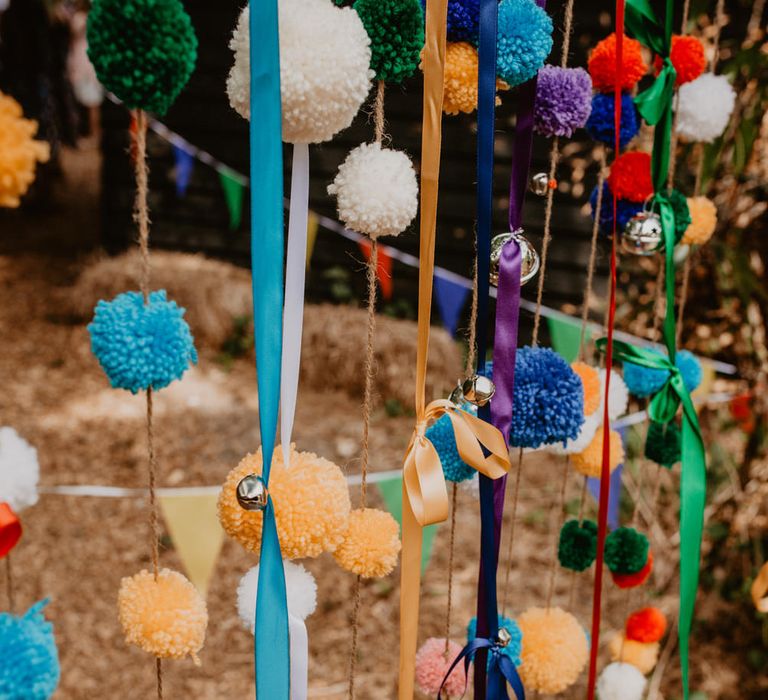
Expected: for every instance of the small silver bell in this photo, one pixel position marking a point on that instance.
(529, 263)
(478, 390)
(252, 493)
(504, 637)
(457, 395)
(643, 234)
(540, 184)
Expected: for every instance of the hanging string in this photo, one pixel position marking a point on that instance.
(451, 547)
(556, 538)
(513, 520)
(582, 504)
(9, 584)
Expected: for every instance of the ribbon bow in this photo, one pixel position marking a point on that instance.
(10, 529)
(501, 670)
(662, 409)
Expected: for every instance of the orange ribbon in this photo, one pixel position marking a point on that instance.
(10, 529)
(760, 589)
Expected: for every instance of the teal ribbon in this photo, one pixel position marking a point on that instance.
(271, 638)
(662, 409)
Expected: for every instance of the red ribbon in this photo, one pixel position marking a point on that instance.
(10, 529)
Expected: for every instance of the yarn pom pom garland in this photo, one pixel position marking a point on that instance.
(626, 550)
(618, 395)
(548, 402)
(704, 107)
(625, 210)
(524, 40)
(703, 221)
(637, 579)
(29, 660)
(514, 645)
(577, 547)
(19, 471)
(19, 152)
(687, 55)
(663, 444)
(646, 625)
(432, 663)
(646, 381)
(141, 345)
(323, 83)
(620, 681)
(300, 590)
(563, 100)
(589, 462)
(590, 381)
(600, 125)
(142, 50)
(460, 79)
(371, 544)
(642, 656)
(376, 191)
(166, 617)
(630, 176)
(396, 30)
(602, 64)
(311, 500)
(555, 649)
(441, 435)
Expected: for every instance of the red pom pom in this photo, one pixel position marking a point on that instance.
(647, 625)
(637, 579)
(630, 176)
(602, 64)
(687, 57)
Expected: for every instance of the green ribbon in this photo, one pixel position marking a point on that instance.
(662, 409)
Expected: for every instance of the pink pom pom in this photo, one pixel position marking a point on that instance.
(432, 663)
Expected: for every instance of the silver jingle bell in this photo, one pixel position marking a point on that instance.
(643, 234)
(529, 262)
(504, 637)
(540, 184)
(478, 390)
(252, 493)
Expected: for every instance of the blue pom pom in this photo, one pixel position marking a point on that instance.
(625, 210)
(524, 40)
(548, 404)
(642, 381)
(463, 20)
(513, 649)
(440, 434)
(29, 661)
(141, 345)
(690, 369)
(600, 123)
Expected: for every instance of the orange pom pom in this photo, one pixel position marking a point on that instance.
(636, 579)
(630, 176)
(590, 462)
(166, 618)
(371, 545)
(688, 58)
(646, 625)
(703, 221)
(602, 64)
(311, 500)
(460, 81)
(642, 656)
(590, 379)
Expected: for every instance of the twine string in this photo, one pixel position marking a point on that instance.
(582, 504)
(451, 549)
(353, 647)
(513, 519)
(556, 538)
(9, 583)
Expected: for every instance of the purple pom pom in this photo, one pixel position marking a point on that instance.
(563, 100)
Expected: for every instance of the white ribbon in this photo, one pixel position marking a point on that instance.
(293, 311)
(299, 657)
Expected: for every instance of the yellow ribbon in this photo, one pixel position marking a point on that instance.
(760, 588)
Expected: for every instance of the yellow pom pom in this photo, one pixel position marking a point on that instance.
(19, 152)
(590, 379)
(311, 500)
(590, 462)
(643, 656)
(554, 649)
(460, 82)
(371, 545)
(703, 221)
(166, 618)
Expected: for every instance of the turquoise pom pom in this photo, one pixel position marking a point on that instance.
(524, 40)
(440, 434)
(141, 345)
(643, 381)
(515, 646)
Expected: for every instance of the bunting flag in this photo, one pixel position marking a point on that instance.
(392, 493)
(193, 524)
(565, 334)
(451, 298)
(383, 269)
(312, 225)
(233, 194)
(184, 165)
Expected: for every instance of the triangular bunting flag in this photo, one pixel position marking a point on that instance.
(193, 524)
(451, 298)
(383, 268)
(566, 336)
(312, 224)
(185, 163)
(233, 194)
(392, 494)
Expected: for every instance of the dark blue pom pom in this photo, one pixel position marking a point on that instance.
(625, 210)
(600, 123)
(463, 20)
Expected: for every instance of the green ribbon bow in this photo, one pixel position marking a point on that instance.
(662, 409)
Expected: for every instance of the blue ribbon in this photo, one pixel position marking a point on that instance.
(271, 638)
(501, 670)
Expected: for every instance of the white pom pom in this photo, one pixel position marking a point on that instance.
(300, 588)
(618, 400)
(587, 432)
(19, 471)
(704, 107)
(620, 681)
(325, 75)
(376, 191)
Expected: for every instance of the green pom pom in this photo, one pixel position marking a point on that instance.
(662, 444)
(578, 545)
(396, 29)
(682, 213)
(143, 50)
(626, 550)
